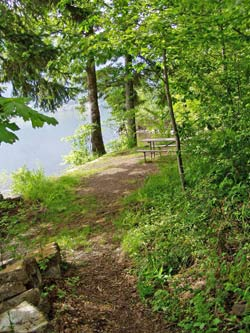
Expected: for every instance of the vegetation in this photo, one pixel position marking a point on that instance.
(46, 202)
(180, 66)
(16, 107)
(191, 249)
(81, 146)
(25, 54)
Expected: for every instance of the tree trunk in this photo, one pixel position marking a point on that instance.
(172, 117)
(130, 102)
(96, 135)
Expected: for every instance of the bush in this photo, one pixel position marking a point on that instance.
(81, 146)
(54, 194)
(190, 249)
(32, 185)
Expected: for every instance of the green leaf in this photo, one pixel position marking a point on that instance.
(6, 136)
(16, 107)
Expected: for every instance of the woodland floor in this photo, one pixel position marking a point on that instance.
(99, 290)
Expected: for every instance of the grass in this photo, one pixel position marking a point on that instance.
(190, 250)
(71, 239)
(51, 209)
(191, 260)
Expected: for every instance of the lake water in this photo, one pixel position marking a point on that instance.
(43, 147)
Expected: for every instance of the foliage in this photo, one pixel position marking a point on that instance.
(26, 53)
(12, 225)
(54, 201)
(53, 195)
(151, 115)
(16, 107)
(190, 249)
(120, 144)
(81, 145)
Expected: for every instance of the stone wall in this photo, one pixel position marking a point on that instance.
(21, 304)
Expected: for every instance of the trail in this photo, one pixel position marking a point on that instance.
(104, 299)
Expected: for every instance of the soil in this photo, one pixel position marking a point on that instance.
(98, 292)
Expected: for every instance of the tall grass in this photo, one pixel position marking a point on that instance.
(54, 194)
(190, 249)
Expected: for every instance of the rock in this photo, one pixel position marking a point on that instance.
(5, 263)
(25, 271)
(49, 260)
(32, 296)
(14, 272)
(10, 289)
(25, 318)
(239, 309)
(32, 270)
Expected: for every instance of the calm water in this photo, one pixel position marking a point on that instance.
(43, 147)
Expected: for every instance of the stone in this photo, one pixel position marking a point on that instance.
(14, 272)
(239, 309)
(5, 263)
(33, 272)
(32, 296)
(10, 289)
(24, 318)
(25, 271)
(49, 260)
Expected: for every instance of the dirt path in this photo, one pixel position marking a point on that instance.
(101, 293)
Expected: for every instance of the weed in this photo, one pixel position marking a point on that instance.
(61, 293)
(73, 281)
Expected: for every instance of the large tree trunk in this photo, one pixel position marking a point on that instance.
(96, 135)
(130, 102)
(172, 117)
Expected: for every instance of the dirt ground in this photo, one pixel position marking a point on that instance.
(98, 292)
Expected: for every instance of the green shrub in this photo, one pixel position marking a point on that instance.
(190, 249)
(32, 185)
(81, 145)
(55, 194)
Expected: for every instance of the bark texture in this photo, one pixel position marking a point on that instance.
(174, 125)
(130, 102)
(96, 135)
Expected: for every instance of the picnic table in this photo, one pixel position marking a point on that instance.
(157, 145)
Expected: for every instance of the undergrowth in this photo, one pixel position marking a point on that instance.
(50, 209)
(191, 250)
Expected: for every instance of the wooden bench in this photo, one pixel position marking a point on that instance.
(152, 152)
(165, 146)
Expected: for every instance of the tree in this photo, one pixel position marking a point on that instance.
(130, 98)
(24, 56)
(173, 121)
(118, 20)
(146, 33)
(96, 134)
(78, 29)
(26, 53)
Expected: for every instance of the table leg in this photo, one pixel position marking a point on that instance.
(154, 149)
(151, 148)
